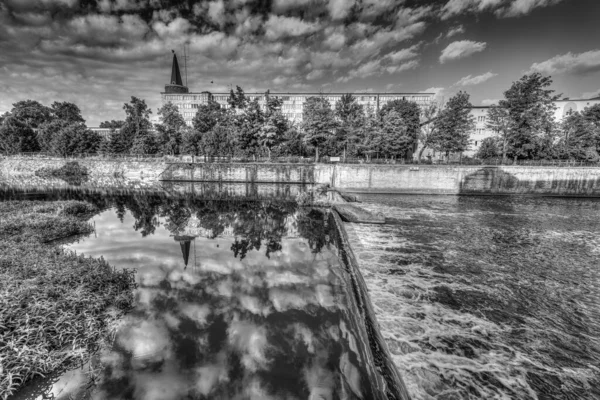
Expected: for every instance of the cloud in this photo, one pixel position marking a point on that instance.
(501, 8)
(216, 12)
(475, 80)
(590, 95)
(489, 102)
(461, 49)
(570, 63)
(278, 27)
(339, 9)
(457, 30)
(404, 54)
(315, 74)
(335, 39)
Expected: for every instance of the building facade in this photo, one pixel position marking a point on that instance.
(292, 103)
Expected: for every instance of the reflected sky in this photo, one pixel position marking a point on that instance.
(275, 321)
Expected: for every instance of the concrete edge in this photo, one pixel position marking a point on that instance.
(395, 386)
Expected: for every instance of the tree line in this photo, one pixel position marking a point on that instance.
(523, 124)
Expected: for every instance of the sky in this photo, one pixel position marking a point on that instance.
(99, 53)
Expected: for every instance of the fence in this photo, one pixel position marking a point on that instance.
(310, 160)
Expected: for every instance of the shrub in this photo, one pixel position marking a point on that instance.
(54, 305)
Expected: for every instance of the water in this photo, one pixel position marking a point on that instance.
(487, 297)
(236, 300)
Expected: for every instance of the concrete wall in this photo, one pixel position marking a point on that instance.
(231, 172)
(576, 181)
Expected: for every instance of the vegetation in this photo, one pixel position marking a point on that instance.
(71, 172)
(54, 305)
(523, 121)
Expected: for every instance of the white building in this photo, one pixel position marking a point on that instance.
(188, 102)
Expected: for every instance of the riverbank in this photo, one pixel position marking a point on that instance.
(371, 178)
(55, 306)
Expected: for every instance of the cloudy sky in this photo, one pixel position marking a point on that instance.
(98, 53)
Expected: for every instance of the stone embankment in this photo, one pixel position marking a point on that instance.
(407, 179)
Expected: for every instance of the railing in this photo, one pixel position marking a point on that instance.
(309, 160)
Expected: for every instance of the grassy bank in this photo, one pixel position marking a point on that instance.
(55, 306)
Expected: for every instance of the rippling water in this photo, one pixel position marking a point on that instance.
(487, 297)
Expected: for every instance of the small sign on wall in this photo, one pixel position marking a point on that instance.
(334, 159)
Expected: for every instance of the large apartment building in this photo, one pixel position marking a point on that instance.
(188, 102)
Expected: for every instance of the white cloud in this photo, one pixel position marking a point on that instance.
(393, 69)
(338, 9)
(457, 30)
(435, 90)
(475, 80)
(278, 27)
(216, 12)
(570, 63)
(502, 8)
(590, 95)
(489, 102)
(461, 49)
(373, 8)
(404, 54)
(335, 40)
(315, 74)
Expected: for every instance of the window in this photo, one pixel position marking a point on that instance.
(476, 143)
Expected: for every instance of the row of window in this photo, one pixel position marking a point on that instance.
(481, 118)
(181, 97)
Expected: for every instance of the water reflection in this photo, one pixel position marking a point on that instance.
(240, 300)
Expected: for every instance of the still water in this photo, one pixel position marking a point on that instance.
(235, 300)
(487, 297)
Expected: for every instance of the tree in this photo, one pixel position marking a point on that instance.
(498, 120)
(428, 128)
(219, 141)
(207, 116)
(580, 138)
(395, 141)
(318, 122)
(530, 110)
(170, 129)
(17, 136)
(137, 123)
(191, 141)
(350, 116)
(371, 134)
(238, 99)
(488, 148)
(274, 124)
(31, 112)
(454, 125)
(251, 124)
(410, 112)
(112, 124)
(293, 143)
(66, 111)
(592, 114)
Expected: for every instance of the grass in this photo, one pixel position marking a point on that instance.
(71, 172)
(56, 307)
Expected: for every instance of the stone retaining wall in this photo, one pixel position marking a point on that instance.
(410, 179)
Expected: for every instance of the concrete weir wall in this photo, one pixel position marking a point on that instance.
(389, 178)
(233, 172)
(476, 180)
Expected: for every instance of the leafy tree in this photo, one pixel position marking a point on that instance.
(251, 125)
(410, 112)
(292, 143)
(219, 141)
(238, 99)
(580, 137)
(66, 111)
(137, 123)
(454, 125)
(274, 125)
(191, 141)
(318, 122)
(350, 116)
(31, 112)
(498, 120)
(592, 114)
(371, 134)
(17, 136)
(488, 148)
(207, 116)
(112, 124)
(530, 110)
(170, 129)
(428, 127)
(395, 141)
(48, 131)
